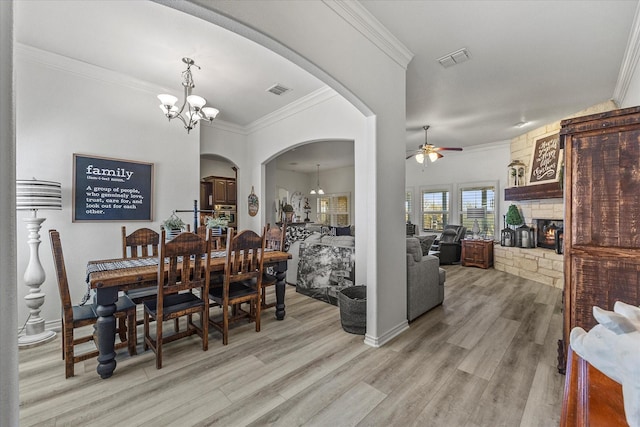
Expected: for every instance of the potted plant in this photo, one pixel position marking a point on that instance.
(173, 226)
(217, 225)
(288, 212)
(513, 216)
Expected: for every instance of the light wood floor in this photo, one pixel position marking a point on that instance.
(487, 357)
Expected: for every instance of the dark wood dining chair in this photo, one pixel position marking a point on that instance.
(275, 237)
(187, 269)
(216, 241)
(77, 316)
(142, 243)
(242, 281)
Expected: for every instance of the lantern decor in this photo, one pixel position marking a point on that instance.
(516, 170)
(525, 236)
(507, 236)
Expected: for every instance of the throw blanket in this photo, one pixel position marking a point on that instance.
(295, 233)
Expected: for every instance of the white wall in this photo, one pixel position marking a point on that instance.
(379, 159)
(210, 167)
(338, 180)
(54, 121)
(485, 164)
(9, 398)
(632, 98)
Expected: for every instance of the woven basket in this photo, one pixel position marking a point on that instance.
(353, 309)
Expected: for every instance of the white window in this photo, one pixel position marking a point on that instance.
(334, 210)
(408, 206)
(435, 209)
(479, 196)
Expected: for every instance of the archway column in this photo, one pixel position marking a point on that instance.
(9, 391)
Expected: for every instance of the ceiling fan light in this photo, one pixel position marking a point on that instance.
(433, 156)
(420, 158)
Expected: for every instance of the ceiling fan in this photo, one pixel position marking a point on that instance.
(429, 151)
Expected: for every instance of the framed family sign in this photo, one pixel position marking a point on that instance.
(107, 189)
(546, 160)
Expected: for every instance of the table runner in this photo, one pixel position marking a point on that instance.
(95, 266)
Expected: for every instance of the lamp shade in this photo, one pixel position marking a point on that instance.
(196, 101)
(167, 99)
(33, 194)
(210, 112)
(476, 213)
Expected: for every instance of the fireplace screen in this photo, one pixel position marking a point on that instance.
(547, 232)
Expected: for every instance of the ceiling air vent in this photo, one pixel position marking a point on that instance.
(453, 58)
(278, 89)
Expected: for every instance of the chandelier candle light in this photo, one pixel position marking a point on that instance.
(318, 189)
(195, 104)
(33, 195)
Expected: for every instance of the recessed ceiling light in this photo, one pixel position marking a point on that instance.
(521, 124)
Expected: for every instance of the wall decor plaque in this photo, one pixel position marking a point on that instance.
(546, 160)
(254, 204)
(107, 189)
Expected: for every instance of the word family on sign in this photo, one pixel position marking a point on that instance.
(117, 175)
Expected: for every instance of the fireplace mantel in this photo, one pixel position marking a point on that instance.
(551, 190)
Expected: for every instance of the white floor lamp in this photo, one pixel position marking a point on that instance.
(33, 195)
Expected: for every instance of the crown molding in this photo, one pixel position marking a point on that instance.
(362, 20)
(630, 60)
(82, 69)
(314, 98)
(225, 126)
(489, 146)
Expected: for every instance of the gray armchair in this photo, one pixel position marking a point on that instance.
(451, 243)
(425, 280)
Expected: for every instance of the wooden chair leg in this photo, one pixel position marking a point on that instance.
(257, 311)
(132, 338)
(158, 343)
(68, 352)
(204, 325)
(63, 336)
(145, 342)
(225, 324)
(122, 329)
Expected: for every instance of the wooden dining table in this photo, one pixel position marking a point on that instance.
(109, 283)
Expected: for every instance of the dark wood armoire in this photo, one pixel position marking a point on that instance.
(602, 215)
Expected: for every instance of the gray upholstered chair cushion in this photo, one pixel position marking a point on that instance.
(414, 249)
(425, 280)
(426, 242)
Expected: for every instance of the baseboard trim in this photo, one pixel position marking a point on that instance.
(387, 336)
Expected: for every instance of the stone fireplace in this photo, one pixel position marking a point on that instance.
(548, 232)
(538, 264)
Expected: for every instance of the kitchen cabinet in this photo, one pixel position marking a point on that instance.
(216, 190)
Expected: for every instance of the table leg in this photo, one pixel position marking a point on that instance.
(281, 272)
(106, 330)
